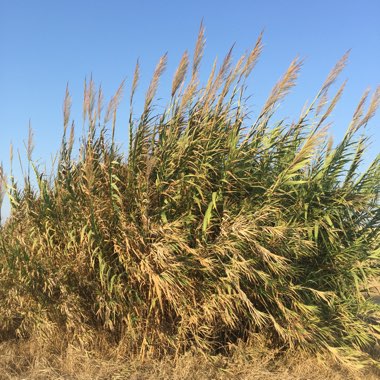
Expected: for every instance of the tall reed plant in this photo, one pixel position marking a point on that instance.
(213, 228)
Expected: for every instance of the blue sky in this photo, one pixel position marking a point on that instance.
(44, 44)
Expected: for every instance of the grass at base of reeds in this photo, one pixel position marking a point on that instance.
(29, 360)
(214, 228)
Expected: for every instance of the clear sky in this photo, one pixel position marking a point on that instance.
(46, 43)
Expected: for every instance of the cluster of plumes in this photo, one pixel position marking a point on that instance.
(212, 229)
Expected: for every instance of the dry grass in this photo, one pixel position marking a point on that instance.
(24, 361)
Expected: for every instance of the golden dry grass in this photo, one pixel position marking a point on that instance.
(26, 361)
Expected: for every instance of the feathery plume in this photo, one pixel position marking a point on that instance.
(154, 82)
(180, 73)
(333, 103)
(66, 108)
(253, 56)
(360, 107)
(334, 73)
(283, 86)
(100, 102)
(373, 106)
(30, 146)
(114, 102)
(136, 76)
(199, 48)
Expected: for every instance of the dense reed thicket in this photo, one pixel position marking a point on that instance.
(214, 228)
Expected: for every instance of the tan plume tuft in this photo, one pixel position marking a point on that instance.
(253, 56)
(115, 101)
(283, 86)
(199, 48)
(373, 106)
(334, 73)
(180, 73)
(154, 82)
(360, 108)
(333, 103)
(66, 108)
(136, 76)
